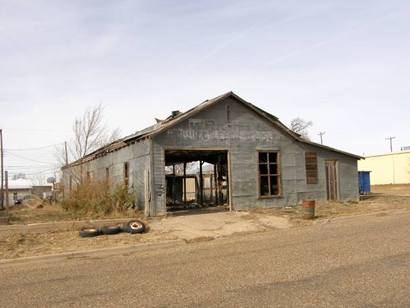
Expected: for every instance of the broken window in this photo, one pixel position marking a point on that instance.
(126, 174)
(311, 168)
(269, 175)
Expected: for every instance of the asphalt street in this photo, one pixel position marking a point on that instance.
(361, 261)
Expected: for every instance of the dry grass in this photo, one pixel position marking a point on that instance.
(383, 201)
(55, 212)
(89, 201)
(23, 245)
(99, 198)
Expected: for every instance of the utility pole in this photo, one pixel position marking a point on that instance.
(66, 154)
(2, 171)
(7, 191)
(321, 136)
(391, 142)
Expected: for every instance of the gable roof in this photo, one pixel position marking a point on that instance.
(174, 120)
(171, 121)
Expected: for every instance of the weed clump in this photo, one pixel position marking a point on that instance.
(94, 197)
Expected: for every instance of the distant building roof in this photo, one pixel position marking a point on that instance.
(388, 154)
(20, 184)
(24, 184)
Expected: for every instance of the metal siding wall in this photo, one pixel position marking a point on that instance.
(138, 157)
(242, 137)
(347, 176)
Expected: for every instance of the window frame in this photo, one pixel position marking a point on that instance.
(269, 175)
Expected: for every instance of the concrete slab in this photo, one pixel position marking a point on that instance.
(215, 225)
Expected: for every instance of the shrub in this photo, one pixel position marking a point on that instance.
(93, 197)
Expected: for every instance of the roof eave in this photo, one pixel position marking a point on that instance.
(330, 148)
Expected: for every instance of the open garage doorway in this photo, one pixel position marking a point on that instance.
(196, 179)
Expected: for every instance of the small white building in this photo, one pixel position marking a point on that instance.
(20, 189)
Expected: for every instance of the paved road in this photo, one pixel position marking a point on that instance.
(360, 261)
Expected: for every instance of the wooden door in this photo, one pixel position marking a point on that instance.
(331, 180)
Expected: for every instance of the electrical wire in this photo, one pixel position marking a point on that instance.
(34, 149)
(26, 158)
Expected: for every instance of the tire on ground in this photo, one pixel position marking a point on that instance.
(124, 227)
(89, 232)
(108, 230)
(135, 226)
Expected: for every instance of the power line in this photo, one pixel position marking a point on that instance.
(29, 159)
(10, 167)
(50, 170)
(33, 149)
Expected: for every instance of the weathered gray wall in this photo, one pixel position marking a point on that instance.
(346, 168)
(242, 136)
(138, 157)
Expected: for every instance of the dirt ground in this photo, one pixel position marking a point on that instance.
(37, 211)
(191, 228)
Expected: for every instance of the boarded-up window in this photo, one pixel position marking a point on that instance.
(126, 174)
(311, 167)
(107, 175)
(269, 175)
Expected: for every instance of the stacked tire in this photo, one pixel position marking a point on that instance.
(132, 227)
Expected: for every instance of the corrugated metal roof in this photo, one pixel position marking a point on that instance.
(171, 121)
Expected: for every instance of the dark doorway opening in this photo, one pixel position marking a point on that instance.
(196, 179)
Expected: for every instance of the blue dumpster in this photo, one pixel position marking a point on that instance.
(364, 182)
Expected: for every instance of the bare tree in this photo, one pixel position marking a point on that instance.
(38, 179)
(89, 133)
(301, 126)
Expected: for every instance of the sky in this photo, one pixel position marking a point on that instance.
(344, 65)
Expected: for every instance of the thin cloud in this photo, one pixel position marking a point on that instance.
(240, 34)
(334, 38)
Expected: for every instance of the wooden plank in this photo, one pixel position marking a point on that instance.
(147, 193)
(184, 183)
(201, 183)
(311, 167)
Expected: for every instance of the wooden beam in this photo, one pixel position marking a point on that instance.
(6, 176)
(201, 184)
(173, 184)
(216, 186)
(184, 183)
